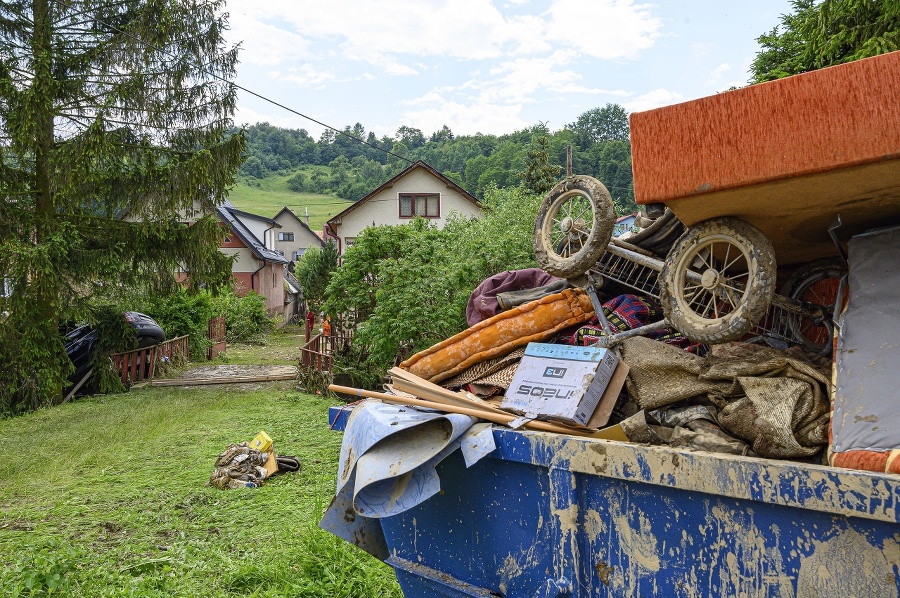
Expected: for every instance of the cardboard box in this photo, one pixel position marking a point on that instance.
(261, 442)
(560, 382)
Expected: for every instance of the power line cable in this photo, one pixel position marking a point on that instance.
(262, 97)
(282, 106)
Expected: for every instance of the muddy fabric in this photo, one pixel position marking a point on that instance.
(483, 303)
(479, 371)
(772, 399)
(513, 299)
(697, 427)
(239, 466)
(501, 334)
(691, 427)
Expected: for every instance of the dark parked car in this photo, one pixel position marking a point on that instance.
(80, 340)
(147, 331)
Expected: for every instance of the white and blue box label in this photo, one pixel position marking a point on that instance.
(560, 382)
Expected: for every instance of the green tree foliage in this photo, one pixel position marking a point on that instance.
(609, 123)
(187, 313)
(539, 175)
(475, 162)
(409, 284)
(246, 318)
(816, 35)
(114, 118)
(313, 271)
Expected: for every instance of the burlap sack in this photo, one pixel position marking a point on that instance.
(772, 399)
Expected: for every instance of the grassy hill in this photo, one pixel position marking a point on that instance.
(267, 196)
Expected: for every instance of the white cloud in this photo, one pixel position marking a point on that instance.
(304, 75)
(264, 44)
(720, 71)
(606, 29)
(389, 32)
(467, 119)
(653, 99)
(244, 115)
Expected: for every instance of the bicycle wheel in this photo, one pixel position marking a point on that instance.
(573, 226)
(718, 280)
(816, 282)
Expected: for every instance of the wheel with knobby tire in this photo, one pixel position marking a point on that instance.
(718, 280)
(573, 226)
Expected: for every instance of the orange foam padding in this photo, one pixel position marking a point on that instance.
(882, 462)
(501, 334)
(786, 155)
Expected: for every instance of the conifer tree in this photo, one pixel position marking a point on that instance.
(114, 120)
(539, 175)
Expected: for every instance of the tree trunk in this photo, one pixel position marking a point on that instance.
(43, 283)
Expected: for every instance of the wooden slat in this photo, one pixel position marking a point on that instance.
(611, 433)
(229, 380)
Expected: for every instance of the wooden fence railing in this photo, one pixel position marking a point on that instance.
(317, 353)
(140, 364)
(217, 336)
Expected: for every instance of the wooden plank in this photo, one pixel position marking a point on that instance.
(611, 433)
(405, 381)
(229, 380)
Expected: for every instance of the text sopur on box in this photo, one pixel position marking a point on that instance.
(560, 382)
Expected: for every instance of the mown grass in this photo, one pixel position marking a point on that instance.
(108, 496)
(272, 194)
(281, 347)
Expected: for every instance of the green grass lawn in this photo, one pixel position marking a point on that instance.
(272, 194)
(281, 347)
(108, 496)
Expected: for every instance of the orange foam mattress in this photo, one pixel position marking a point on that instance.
(787, 155)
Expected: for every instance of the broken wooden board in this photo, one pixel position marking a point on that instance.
(273, 375)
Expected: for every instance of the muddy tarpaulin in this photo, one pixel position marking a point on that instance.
(388, 456)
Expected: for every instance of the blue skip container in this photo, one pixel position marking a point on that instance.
(550, 515)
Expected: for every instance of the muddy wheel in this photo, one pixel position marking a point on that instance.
(573, 226)
(718, 280)
(817, 283)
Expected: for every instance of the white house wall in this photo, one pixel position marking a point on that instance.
(384, 208)
(258, 228)
(303, 237)
(245, 261)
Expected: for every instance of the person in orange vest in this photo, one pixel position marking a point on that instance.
(326, 326)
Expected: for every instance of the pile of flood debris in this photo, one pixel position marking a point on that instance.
(539, 355)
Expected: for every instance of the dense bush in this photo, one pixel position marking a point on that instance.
(246, 318)
(185, 313)
(409, 284)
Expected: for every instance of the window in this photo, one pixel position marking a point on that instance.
(285, 236)
(426, 205)
(349, 241)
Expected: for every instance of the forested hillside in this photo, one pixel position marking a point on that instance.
(337, 164)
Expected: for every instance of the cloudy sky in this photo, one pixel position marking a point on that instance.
(485, 66)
